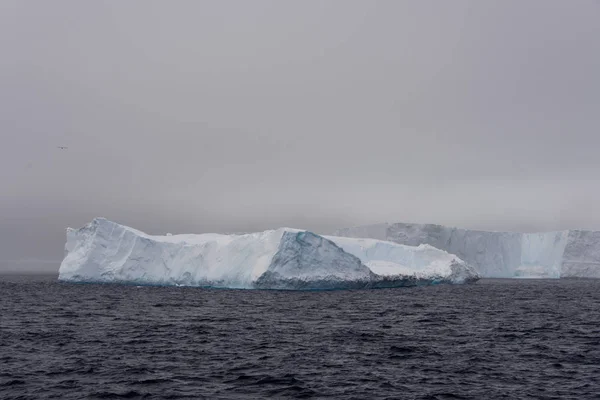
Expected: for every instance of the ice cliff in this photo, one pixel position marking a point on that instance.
(561, 254)
(104, 251)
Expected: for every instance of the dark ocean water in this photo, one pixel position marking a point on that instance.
(496, 339)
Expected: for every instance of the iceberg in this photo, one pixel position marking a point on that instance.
(559, 254)
(107, 252)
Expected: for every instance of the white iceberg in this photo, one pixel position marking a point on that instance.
(560, 254)
(107, 252)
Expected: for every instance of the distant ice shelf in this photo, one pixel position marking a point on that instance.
(560, 254)
(107, 252)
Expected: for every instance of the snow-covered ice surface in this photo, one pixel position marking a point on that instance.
(561, 254)
(390, 259)
(104, 251)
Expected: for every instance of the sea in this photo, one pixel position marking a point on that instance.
(494, 339)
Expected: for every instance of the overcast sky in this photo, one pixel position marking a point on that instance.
(198, 116)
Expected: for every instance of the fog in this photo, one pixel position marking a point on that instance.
(230, 116)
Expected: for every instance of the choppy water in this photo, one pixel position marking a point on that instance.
(495, 339)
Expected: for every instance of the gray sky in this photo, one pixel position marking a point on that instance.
(196, 116)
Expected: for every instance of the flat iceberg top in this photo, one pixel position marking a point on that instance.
(199, 238)
(285, 258)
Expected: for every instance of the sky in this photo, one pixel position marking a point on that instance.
(235, 116)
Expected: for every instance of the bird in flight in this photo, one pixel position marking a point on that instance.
(63, 147)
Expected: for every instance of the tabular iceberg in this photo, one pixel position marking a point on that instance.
(104, 251)
(561, 254)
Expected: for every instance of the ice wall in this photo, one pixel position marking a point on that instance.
(581, 257)
(541, 254)
(573, 253)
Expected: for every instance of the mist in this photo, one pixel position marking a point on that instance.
(234, 116)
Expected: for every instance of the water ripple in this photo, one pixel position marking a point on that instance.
(494, 339)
